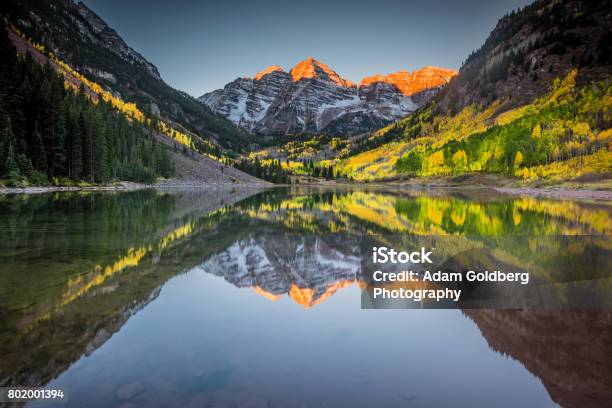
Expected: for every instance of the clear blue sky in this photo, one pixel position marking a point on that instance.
(199, 46)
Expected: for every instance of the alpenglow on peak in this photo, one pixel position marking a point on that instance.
(267, 71)
(311, 68)
(312, 97)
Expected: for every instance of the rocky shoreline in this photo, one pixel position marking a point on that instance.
(127, 186)
(559, 193)
(171, 184)
(122, 186)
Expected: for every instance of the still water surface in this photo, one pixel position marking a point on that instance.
(233, 298)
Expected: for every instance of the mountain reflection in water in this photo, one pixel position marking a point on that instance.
(74, 269)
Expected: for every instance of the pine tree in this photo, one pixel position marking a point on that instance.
(47, 131)
(4, 138)
(76, 148)
(26, 168)
(56, 148)
(11, 166)
(101, 160)
(38, 151)
(88, 150)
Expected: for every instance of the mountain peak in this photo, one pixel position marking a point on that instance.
(312, 97)
(311, 68)
(270, 69)
(410, 83)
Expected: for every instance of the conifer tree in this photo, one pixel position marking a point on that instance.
(38, 151)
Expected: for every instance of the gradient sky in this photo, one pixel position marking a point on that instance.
(200, 46)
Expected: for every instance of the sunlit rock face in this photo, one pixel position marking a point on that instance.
(308, 269)
(416, 87)
(312, 97)
(410, 83)
(569, 351)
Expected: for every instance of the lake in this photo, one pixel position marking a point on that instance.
(242, 298)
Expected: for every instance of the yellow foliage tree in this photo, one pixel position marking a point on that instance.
(436, 159)
(518, 159)
(537, 131)
(582, 129)
(436, 164)
(460, 160)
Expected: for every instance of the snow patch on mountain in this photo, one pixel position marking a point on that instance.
(312, 96)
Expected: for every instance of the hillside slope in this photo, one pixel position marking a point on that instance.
(56, 125)
(194, 169)
(528, 49)
(535, 101)
(76, 35)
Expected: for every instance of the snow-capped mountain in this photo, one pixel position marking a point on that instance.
(312, 97)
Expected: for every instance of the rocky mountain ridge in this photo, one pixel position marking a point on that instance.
(99, 32)
(312, 97)
(77, 35)
(531, 47)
